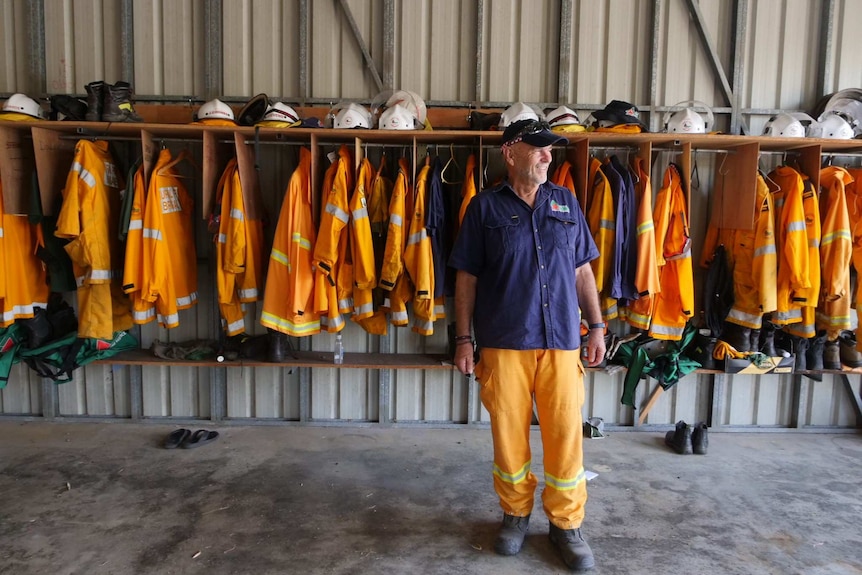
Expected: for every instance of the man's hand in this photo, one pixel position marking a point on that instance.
(595, 350)
(464, 357)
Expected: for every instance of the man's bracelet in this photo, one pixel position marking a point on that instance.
(470, 341)
(462, 337)
(600, 325)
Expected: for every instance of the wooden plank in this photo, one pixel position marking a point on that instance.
(53, 160)
(16, 170)
(653, 398)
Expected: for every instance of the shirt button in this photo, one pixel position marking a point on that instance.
(544, 286)
(546, 305)
(541, 267)
(540, 247)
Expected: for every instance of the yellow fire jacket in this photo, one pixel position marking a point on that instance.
(89, 217)
(602, 223)
(288, 296)
(752, 258)
(836, 253)
(468, 187)
(27, 287)
(169, 258)
(639, 312)
(418, 258)
(334, 270)
(238, 252)
(791, 240)
(675, 303)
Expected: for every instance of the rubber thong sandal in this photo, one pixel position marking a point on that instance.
(200, 437)
(176, 438)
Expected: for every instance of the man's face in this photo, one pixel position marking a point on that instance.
(529, 163)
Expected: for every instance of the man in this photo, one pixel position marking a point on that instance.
(522, 256)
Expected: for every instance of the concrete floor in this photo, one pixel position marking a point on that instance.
(90, 498)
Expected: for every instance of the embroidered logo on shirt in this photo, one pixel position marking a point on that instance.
(555, 207)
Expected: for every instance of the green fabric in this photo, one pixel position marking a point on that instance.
(128, 201)
(10, 343)
(667, 368)
(57, 359)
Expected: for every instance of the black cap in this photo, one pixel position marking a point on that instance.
(534, 132)
(620, 112)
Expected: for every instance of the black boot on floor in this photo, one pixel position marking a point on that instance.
(699, 439)
(512, 533)
(680, 439)
(576, 554)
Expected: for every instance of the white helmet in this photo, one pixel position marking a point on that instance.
(785, 125)
(688, 120)
(517, 111)
(352, 115)
(562, 116)
(411, 101)
(849, 103)
(280, 112)
(22, 104)
(397, 117)
(832, 126)
(215, 109)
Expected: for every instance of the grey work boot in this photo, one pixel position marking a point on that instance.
(679, 439)
(117, 105)
(512, 533)
(831, 355)
(95, 97)
(847, 348)
(576, 553)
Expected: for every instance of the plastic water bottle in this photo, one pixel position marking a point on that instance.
(338, 352)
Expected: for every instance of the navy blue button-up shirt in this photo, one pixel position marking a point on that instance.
(524, 260)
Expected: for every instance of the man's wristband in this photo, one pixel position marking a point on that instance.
(462, 337)
(600, 325)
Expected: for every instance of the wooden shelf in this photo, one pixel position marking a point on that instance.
(303, 359)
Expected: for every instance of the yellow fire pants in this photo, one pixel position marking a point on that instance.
(510, 380)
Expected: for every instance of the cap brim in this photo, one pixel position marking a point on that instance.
(544, 138)
(618, 118)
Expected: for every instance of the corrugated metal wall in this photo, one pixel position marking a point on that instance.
(452, 52)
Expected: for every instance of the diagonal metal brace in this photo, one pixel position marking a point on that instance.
(697, 16)
(855, 398)
(366, 55)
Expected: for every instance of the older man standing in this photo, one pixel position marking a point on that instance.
(523, 282)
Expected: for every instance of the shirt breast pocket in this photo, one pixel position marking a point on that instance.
(565, 229)
(504, 236)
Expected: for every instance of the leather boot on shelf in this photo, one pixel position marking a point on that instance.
(278, 346)
(754, 340)
(767, 339)
(699, 438)
(737, 336)
(814, 356)
(701, 350)
(850, 356)
(800, 351)
(679, 439)
(831, 355)
(117, 105)
(95, 97)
